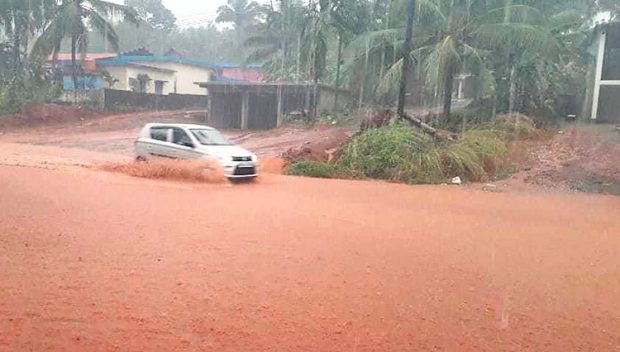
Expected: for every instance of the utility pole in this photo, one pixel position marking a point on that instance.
(406, 58)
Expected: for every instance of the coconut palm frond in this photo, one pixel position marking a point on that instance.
(375, 38)
(442, 60)
(518, 13)
(430, 8)
(109, 9)
(104, 28)
(391, 78)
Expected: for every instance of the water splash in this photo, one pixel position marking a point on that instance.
(184, 170)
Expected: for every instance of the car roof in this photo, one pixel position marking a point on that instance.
(180, 125)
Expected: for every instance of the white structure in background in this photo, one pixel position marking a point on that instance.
(161, 75)
(603, 96)
(461, 83)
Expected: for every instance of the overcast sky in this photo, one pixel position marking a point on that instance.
(190, 12)
(194, 12)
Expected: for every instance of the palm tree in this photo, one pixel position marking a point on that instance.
(241, 13)
(350, 18)
(277, 41)
(315, 36)
(21, 20)
(406, 58)
(526, 38)
(73, 19)
(376, 54)
(459, 36)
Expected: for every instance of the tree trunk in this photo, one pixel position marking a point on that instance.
(406, 58)
(298, 64)
(363, 83)
(17, 44)
(74, 67)
(512, 90)
(511, 63)
(338, 71)
(423, 126)
(447, 93)
(282, 45)
(387, 26)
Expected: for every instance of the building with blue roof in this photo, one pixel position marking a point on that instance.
(171, 73)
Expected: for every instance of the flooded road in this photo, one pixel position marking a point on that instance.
(100, 261)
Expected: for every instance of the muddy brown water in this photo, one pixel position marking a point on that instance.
(100, 261)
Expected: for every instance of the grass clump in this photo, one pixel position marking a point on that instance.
(396, 153)
(311, 168)
(517, 126)
(476, 156)
(402, 154)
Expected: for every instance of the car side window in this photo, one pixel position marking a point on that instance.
(181, 137)
(160, 133)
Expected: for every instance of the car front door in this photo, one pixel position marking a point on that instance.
(184, 147)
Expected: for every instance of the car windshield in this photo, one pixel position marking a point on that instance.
(210, 137)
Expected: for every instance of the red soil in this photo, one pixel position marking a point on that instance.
(97, 261)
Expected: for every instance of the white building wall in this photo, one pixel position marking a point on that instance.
(124, 73)
(186, 75)
(119, 73)
(154, 75)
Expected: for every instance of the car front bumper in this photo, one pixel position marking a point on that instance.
(241, 169)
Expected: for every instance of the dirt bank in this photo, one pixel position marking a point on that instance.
(582, 158)
(97, 261)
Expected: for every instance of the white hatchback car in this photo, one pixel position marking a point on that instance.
(185, 141)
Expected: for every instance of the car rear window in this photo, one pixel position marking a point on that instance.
(160, 133)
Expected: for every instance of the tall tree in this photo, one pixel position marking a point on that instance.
(350, 18)
(406, 58)
(154, 14)
(315, 37)
(20, 21)
(277, 41)
(156, 26)
(242, 14)
(72, 19)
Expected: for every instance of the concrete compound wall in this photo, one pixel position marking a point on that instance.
(327, 100)
(125, 100)
(91, 98)
(256, 106)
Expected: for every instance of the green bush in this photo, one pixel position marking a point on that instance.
(311, 168)
(402, 154)
(396, 153)
(517, 126)
(476, 155)
(473, 116)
